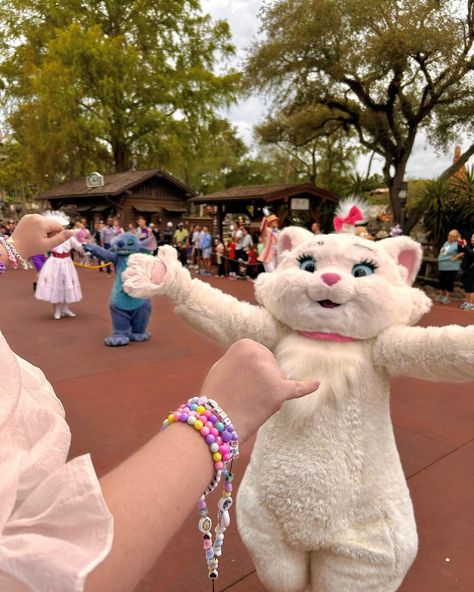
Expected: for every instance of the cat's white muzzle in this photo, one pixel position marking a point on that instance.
(339, 293)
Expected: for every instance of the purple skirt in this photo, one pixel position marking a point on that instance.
(38, 261)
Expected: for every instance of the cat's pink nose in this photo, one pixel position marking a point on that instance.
(330, 278)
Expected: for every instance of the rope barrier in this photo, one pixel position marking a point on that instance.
(92, 266)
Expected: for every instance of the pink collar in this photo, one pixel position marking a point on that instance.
(325, 336)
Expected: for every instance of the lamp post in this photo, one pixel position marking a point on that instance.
(403, 198)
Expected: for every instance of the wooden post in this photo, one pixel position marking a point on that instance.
(220, 219)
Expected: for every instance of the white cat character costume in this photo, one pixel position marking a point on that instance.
(324, 505)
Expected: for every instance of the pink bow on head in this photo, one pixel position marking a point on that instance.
(354, 215)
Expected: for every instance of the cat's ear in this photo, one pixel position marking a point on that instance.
(290, 237)
(408, 255)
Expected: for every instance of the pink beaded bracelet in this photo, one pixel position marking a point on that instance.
(213, 424)
(13, 255)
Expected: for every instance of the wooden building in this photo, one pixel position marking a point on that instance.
(154, 194)
(296, 203)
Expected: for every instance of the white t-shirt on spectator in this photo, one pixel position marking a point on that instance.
(196, 239)
(239, 239)
(247, 242)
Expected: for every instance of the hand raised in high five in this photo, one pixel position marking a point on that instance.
(145, 275)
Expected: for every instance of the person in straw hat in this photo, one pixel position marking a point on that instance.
(269, 232)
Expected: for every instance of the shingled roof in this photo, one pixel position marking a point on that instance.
(114, 184)
(266, 192)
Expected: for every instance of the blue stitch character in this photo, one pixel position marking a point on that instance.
(129, 315)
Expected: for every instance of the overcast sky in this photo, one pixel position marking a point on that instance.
(242, 16)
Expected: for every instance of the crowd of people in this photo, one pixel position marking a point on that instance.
(236, 256)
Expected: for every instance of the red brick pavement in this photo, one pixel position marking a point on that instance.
(115, 399)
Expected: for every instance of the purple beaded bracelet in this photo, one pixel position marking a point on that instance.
(213, 424)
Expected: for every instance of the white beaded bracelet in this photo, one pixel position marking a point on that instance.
(13, 255)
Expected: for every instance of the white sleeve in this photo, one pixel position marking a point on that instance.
(75, 244)
(58, 534)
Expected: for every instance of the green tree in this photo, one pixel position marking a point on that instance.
(317, 147)
(91, 83)
(461, 205)
(385, 68)
(249, 172)
(208, 157)
(201, 155)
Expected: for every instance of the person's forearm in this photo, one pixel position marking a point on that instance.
(152, 492)
(149, 496)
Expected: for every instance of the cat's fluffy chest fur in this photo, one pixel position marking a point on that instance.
(313, 456)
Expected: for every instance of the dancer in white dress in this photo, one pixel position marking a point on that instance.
(58, 281)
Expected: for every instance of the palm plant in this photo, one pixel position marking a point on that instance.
(462, 203)
(432, 207)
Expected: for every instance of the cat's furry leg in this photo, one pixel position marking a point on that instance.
(281, 568)
(372, 558)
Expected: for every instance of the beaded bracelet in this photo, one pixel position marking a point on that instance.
(213, 424)
(13, 255)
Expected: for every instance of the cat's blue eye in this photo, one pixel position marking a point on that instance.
(131, 242)
(307, 263)
(362, 270)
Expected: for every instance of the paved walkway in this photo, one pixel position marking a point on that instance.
(115, 399)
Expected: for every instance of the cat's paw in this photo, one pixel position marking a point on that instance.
(141, 279)
(168, 255)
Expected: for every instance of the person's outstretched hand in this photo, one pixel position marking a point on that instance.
(250, 387)
(36, 234)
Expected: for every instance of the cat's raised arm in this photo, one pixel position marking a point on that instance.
(429, 353)
(220, 316)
